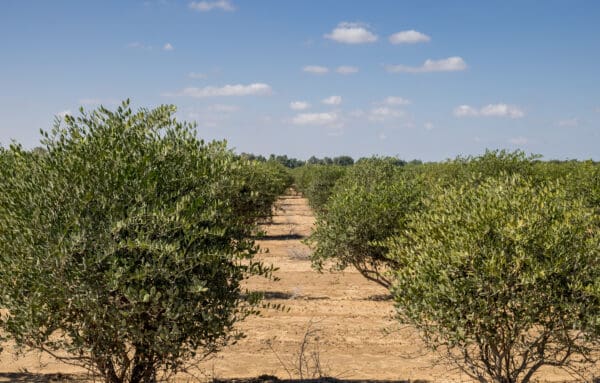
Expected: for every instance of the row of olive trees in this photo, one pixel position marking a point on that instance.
(494, 259)
(316, 182)
(125, 241)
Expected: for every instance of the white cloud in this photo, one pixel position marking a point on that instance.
(168, 47)
(315, 118)
(518, 140)
(352, 33)
(450, 64)
(392, 100)
(205, 6)
(197, 76)
(428, 126)
(345, 69)
(382, 136)
(409, 37)
(299, 105)
(64, 113)
(490, 110)
(501, 110)
(568, 123)
(255, 89)
(315, 69)
(465, 111)
(332, 100)
(384, 113)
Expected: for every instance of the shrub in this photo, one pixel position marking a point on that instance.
(503, 276)
(367, 205)
(125, 244)
(316, 182)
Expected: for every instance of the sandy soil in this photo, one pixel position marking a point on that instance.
(349, 322)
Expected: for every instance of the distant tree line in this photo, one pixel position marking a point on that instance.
(292, 163)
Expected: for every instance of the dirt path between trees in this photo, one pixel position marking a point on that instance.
(358, 337)
(349, 320)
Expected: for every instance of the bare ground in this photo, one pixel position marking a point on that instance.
(344, 322)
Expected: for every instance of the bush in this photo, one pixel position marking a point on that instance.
(475, 169)
(126, 243)
(316, 182)
(367, 205)
(261, 184)
(503, 276)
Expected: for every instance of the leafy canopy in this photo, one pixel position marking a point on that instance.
(502, 275)
(125, 243)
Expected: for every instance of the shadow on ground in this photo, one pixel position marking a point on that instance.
(68, 378)
(274, 379)
(30, 377)
(281, 237)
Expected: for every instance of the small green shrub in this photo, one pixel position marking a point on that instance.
(316, 182)
(503, 275)
(367, 205)
(125, 244)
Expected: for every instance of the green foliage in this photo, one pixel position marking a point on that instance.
(475, 169)
(503, 275)
(581, 179)
(125, 243)
(316, 182)
(261, 184)
(367, 205)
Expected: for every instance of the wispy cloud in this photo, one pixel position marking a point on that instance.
(428, 126)
(139, 45)
(568, 123)
(256, 89)
(409, 37)
(315, 118)
(352, 33)
(315, 69)
(450, 64)
(384, 113)
(490, 110)
(465, 111)
(345, 69)
(168, 47)
(393, 100)
(332, 100)
(502, 110)
(205, 6)
(299, 105)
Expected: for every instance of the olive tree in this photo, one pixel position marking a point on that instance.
(502, 276)
(367, 205)
(316, 182)
(122, 248)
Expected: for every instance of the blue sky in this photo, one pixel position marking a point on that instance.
(414, 79)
